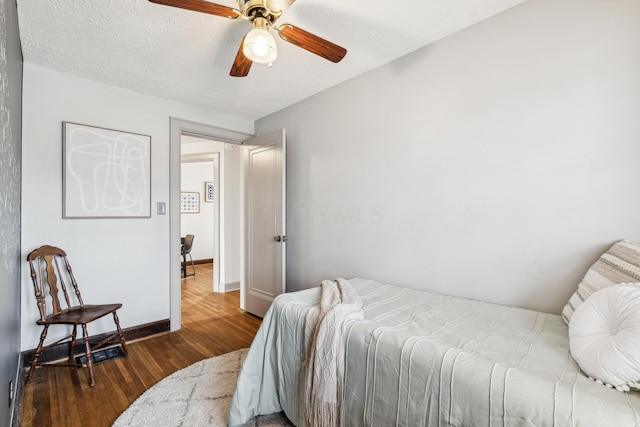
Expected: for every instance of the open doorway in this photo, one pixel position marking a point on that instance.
(210, 211)
(200, 195)
(228, 221)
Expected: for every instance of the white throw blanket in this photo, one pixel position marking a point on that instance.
(324, 335)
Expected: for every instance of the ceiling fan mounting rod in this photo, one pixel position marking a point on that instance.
(260, 23)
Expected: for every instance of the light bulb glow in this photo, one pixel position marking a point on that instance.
(260, 49)
(260, 46)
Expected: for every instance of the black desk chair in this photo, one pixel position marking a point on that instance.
(187, 243)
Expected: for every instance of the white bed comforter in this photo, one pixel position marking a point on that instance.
(423, 359)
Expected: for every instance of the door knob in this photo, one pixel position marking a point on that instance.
(280, 238)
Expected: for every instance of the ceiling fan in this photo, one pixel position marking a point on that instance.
(259, 45)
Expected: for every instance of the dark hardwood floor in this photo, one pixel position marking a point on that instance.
(212, 324)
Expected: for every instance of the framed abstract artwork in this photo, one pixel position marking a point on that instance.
(106, 173)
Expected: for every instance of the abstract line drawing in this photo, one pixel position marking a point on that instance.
(107, 173)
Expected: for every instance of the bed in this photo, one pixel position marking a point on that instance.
(424, 359)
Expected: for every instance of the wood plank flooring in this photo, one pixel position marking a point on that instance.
(212, 324)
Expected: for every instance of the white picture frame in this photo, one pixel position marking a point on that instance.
(189, 202)
(209, 191)
(106, 173)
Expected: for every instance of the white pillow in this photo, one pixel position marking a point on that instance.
(604, 336)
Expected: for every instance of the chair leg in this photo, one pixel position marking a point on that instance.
(87, 352)
(193, 266)
(72, 349)
(123, 344)
(43, 335)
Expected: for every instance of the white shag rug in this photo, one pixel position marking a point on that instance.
(198, 395)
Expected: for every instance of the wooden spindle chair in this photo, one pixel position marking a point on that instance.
(50, 267)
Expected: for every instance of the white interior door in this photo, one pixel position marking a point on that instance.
(265, 221)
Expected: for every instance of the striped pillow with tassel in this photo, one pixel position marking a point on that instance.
(620, 264)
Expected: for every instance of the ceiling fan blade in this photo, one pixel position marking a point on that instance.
(241, 65)
(312, 43)
(201, 6)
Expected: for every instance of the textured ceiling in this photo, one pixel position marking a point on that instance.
(186, 56)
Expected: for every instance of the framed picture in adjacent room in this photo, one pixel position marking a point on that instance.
(208, 191)
(189, 202)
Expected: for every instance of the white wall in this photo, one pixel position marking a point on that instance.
(495, 164)
(230, 193)
(115, 260)
(193, 176)
(233, 246)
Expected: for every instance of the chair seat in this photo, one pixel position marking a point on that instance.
(78, 315)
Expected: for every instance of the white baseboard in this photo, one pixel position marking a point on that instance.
(232, 286)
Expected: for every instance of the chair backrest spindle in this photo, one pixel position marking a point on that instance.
(73, 281)
(62, 283)
(38, 289)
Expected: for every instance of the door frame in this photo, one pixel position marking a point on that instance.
(179, 127)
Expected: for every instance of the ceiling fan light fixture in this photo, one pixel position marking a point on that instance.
(259, 44)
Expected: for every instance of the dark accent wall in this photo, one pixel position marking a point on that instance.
(10, 207)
